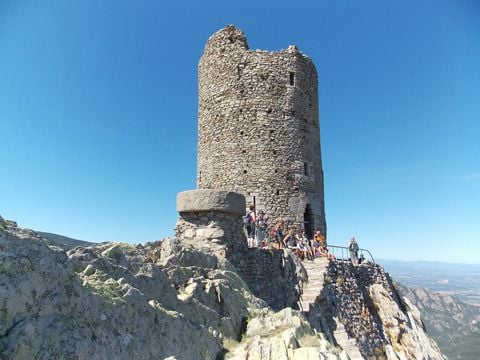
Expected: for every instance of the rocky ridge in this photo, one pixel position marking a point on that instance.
(120, 301)
(165, 300)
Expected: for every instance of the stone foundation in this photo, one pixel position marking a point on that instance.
(211, 221)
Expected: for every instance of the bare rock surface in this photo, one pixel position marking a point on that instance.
(281, 336)
(162, 300)
(115, 301)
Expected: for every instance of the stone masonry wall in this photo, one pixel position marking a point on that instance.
(259, 128)
(211, 232)
(211, 221)
(269, 274)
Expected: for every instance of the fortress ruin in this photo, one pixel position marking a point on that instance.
(258, 128)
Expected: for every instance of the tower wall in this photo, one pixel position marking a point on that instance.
(259, 127)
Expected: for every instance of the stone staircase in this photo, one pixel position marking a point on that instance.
(312, 290)
(348, 344)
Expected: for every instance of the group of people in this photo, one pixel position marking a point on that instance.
(302, 246)
(261, 234)
(256, 225)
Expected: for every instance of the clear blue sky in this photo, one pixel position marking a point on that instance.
(98, 115)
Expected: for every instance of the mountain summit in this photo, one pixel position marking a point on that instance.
(169, 300)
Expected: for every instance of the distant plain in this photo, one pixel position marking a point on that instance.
(461, 281)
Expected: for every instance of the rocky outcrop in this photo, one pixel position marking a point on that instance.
(163, 300)
(115, 301)
(359, 309)
(210, 221)
(281, 336)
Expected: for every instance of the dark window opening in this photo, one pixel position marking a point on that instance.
(244, 151)
(276, 171)
(271, 131)
(274, 152)
(278, 192)
(241, 132)
(305, 169)
(292, 78)
(296, 189)
(269, 111)
(244, 171)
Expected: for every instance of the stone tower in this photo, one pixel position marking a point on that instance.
(258, 128)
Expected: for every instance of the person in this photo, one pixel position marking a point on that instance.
(353, 247)
(278, 234)
(320, 241)
(291, 239)
(305, 246)
(316, 244)
(320, 244)
(361, 260)
(249, 223)
(293, 243)
(261, 229)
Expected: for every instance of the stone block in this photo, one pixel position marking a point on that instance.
(211, 200)
(210, 233)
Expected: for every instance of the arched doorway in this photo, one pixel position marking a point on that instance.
(308, 221)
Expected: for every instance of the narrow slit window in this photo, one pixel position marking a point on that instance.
(305, 169)
(292, 78)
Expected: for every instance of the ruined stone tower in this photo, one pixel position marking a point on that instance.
(258, 129)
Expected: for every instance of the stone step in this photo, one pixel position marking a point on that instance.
(346, 343)
(312, 289)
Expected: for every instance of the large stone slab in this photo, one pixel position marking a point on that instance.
(211, 200)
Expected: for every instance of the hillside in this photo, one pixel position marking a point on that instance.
(454, 324)
(64, 242)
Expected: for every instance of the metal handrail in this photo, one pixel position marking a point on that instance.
(345, 252)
